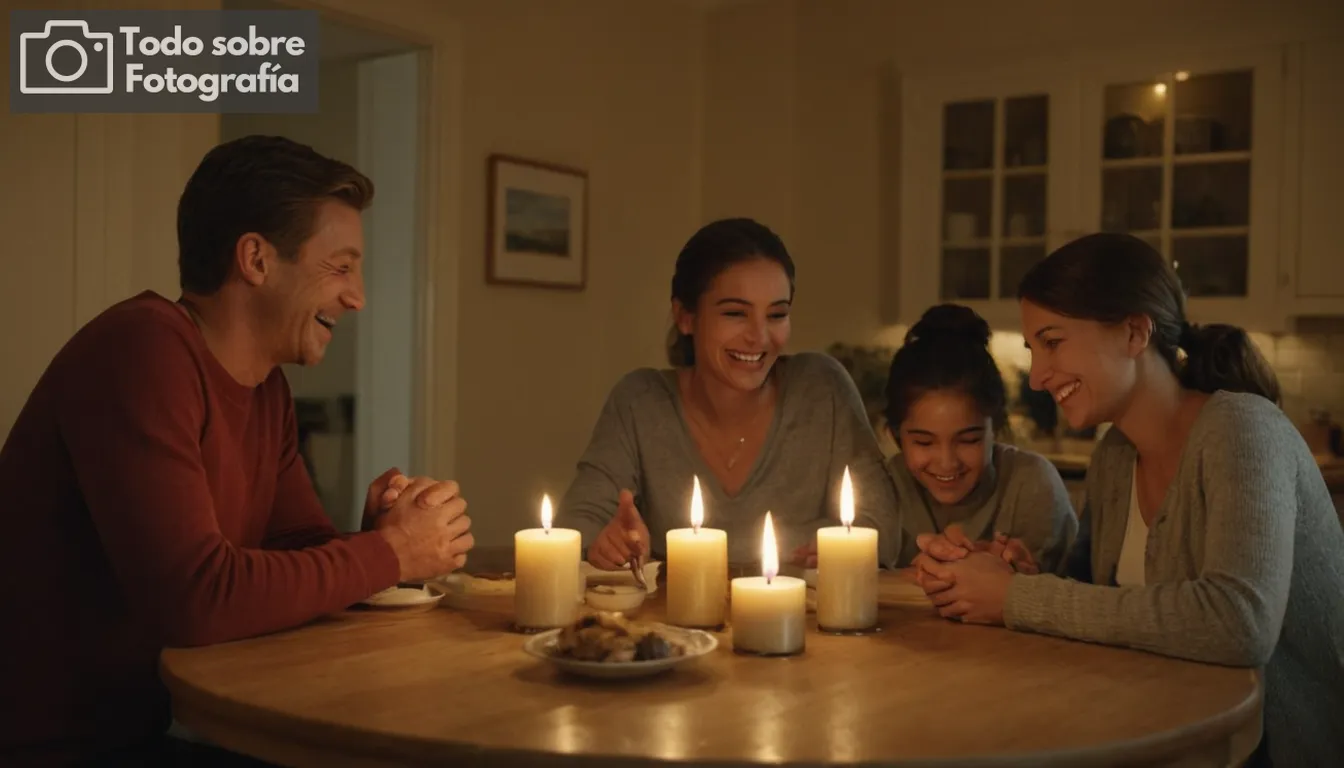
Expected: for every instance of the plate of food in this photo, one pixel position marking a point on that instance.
(609, 646)
(463, 589)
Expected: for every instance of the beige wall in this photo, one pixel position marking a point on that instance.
(610, 87)
(88, 205)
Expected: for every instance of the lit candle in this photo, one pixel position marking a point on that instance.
(769, 611)
(697, 571)
(846, 571)
(546, 575)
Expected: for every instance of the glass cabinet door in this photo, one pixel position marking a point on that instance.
(1176, 171)
(994, 202)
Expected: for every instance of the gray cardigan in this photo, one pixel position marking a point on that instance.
(641, 442)
(1020, 494)
(1244, 567)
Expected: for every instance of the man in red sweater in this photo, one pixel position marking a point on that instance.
(153, 490)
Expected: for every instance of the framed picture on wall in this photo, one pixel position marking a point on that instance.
(536, 224)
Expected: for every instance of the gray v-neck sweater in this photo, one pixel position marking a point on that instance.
(641, 442)
(1244, 567)
(1020, 493)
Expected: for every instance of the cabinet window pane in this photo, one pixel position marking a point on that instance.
(1211, 266)
(965, 274)
(1131, 199)
(1211, 195)
(1024, 205)
(1133, 120)
(1213, 113)
(967, 208)
(1026, 131)
(968, 135)
(1013, 264)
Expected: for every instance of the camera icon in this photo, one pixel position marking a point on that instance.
(38, 66)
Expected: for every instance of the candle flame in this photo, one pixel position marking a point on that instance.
(769, 552)
(846, 500)
(697, 507)
(546, 512)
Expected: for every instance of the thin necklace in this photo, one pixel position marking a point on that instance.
(729, 460)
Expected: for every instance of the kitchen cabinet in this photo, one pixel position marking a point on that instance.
(987, 174)
(1313, 268)
(1184, 150)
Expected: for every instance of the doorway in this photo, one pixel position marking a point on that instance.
(356, 410)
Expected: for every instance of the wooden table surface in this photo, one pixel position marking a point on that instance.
(453, 686)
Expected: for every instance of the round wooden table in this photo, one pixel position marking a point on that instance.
(453, 687)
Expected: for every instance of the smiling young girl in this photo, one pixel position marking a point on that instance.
(1209, 533)
(762, 431)
(945, 403)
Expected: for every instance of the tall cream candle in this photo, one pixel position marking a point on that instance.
(769, 612)
(546, 575)
(846, 571)
(697, 571)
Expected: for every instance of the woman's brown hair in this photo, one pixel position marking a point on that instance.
(1110, 277)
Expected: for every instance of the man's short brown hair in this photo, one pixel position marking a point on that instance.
(264, 184)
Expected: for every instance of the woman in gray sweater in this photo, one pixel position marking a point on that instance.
(762, 431)
(1208, 533)
(945, 403)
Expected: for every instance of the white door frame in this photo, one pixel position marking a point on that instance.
(435, 391)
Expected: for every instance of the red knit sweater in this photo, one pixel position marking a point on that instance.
(147, 499)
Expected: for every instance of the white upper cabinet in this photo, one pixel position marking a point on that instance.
(987, 181)
(1314, 182)
(1183, 150)
(1186, 153)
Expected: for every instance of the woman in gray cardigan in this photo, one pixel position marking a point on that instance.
(945, 403)
(1208, 533)
(763, 432)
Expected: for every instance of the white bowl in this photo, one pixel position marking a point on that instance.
(698, 643)
(595, 576)
(617, 598)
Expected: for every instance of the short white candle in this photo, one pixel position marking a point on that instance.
(846, 571)
(769, 611)
(697, 570)
(546, 574)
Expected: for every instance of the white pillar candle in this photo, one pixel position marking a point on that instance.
(546, 575)
(846, 571)
(697, 571)
(769, 612)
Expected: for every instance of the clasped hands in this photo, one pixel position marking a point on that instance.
(424, 521)
(968, 580)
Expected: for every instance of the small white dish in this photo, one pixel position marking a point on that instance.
(697, 642)
(596, 576)
(402, 597)
(616, 598)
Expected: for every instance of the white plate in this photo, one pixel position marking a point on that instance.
(595, 576)
(697, 642)
(402, 597)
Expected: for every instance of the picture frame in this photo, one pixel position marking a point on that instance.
(536, 224)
